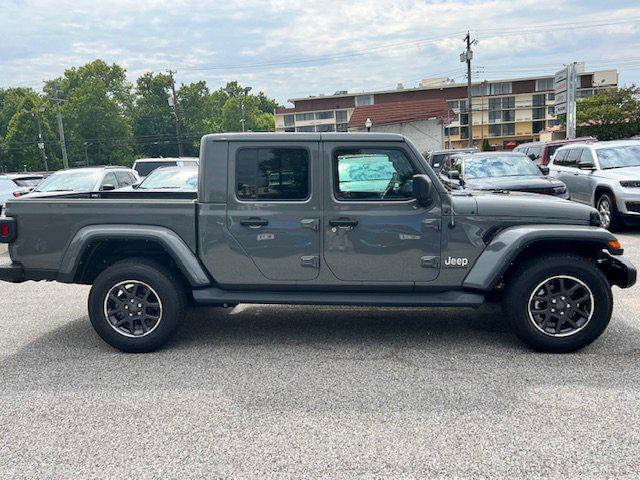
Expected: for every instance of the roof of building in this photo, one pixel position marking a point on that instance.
(400, 112)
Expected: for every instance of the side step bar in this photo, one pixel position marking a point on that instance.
(450, 298)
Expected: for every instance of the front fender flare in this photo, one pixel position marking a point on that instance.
(184, 258)
(496, 258)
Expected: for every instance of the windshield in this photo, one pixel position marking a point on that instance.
(27, 182)
(501, 166)
(618, 157)
(179, 179)
(145, 168)
(69, 181)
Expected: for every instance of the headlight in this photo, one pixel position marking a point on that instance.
(630, 183)
(560, 189)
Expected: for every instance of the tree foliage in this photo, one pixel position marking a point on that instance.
(610, 114)
(107, 120)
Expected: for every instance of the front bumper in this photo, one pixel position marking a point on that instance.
(12, 273)
(618, 270)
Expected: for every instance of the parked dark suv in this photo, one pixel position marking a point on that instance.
(541, 152)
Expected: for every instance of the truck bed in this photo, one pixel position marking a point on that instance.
(54, 220)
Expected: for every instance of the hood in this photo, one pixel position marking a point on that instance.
(526, 182)
(624, 173)
(522, 205)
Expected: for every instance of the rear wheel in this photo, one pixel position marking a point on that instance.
(135, 305)
(609, 215)
(558, 303)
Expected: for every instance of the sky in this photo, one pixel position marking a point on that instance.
(296, 48)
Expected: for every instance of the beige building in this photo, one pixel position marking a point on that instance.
(504, 111)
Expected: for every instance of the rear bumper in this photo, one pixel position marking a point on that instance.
(618, 270)
(12, 273)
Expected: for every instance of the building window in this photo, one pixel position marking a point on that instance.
(509, 129)
(538, 126)
(272, 174)
(364, 100)
(342, 127)
(539, 100)
(304, 117)
(551, 97)
(480, 90)
(289, 120)
(584, 93)
(308, 128)
(453, 104)
(551, 111)
(463, 106)
(553, 122)
(330, 127)
(501, 88)
(502, 129)
(342, 116)
(449, 131)
(324, 115)
(508, 115)
(464, 119)
(543, 84)
(538, 113)
(464, 132)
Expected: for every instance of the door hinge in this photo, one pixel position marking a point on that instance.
(312, 261)
(430, 261)
(311, 223)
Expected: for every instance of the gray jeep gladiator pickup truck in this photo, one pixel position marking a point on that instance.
(342, 219)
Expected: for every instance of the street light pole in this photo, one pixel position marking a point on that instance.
(245, 92)
(176, 112)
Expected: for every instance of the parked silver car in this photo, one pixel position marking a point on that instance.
(90, 179)
(605, 175)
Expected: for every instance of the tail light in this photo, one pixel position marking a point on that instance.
(17, 194)
(8, 230)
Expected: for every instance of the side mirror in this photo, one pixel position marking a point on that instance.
(422, 188)
(586, 165)
(532, 156)
(135, 185)
(544, 169)
(107, 187)
(453, 175)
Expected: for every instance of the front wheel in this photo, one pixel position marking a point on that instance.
(136, 305)
(609, 215)
(558, 302)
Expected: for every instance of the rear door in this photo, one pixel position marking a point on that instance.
(274, 207)
(374, 230)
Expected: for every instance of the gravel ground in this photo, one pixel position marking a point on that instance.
(316, 392)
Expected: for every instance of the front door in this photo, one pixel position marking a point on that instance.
(374, 230)
(274, 207)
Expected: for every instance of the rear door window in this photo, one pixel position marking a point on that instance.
(272, 174)
(573, 157)
(124, 180)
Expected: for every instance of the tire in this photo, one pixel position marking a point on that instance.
(609, 214)
(533, 291)
(149, 292)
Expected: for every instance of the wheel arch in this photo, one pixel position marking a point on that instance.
(601, 189)
(511, 246)
(94, 248)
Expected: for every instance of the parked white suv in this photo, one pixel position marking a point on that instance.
(605, 175)
(144, 166)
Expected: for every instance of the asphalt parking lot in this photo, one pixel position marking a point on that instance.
(273, 391)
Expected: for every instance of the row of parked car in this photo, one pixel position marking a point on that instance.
(605, 175)
(146, 174)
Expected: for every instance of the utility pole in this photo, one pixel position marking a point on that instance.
(466, 56)
(63, 145)
(36, 115)
(244, 93)
(176, 112)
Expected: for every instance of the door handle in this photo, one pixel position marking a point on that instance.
(343, 222)
(254, 222)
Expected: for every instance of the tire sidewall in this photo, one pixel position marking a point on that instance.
(613, 222)
(517, 302)
(157, 278)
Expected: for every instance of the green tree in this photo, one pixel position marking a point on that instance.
(610, 114)
(201, 113)
(153, 118)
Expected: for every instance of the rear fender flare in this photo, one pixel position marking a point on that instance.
(181, 254)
